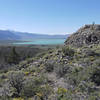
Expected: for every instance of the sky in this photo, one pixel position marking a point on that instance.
(48, 16)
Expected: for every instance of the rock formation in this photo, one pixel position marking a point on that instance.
(86, 35)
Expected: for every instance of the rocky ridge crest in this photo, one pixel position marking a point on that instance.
(86, 35)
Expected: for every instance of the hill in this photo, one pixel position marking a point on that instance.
(12, 35)
(86, 35)
(63, 73)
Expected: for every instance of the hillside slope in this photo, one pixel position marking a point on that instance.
(67, 73)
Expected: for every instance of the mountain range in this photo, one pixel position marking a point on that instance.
(13, 35)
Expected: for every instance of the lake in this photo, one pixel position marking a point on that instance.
(42, 42)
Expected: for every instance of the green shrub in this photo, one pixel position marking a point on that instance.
(92, 53)
(64, 94)
(13, 57)
(61, 70)
(86, 87)
(32, 86)
(49, 66)
(5, 98)
(16, 81)
(29, 88)
(77, 75)
(92, 97)
(44, 92)
(95, 77)
(68, 51)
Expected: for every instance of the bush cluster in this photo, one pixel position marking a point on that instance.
(49, 66)
(61, 70)
(95, 77)
(68, 51)
(16, 81)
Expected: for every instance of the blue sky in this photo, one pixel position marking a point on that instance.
(48, 16)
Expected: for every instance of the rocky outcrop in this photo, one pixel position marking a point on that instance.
(86, 35)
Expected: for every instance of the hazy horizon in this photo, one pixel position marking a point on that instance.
(33, 32)
(48, 16)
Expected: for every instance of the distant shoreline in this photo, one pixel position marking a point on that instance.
(29, 42)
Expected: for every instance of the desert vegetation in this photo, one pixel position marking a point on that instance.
(56, 74)
(60, 73)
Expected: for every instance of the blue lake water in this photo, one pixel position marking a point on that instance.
(42, 42)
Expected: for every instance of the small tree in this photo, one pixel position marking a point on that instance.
(14, 57)
(93, 23)
(92, 27)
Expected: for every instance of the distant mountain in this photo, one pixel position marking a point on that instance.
(8, 35)
(12, 35)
